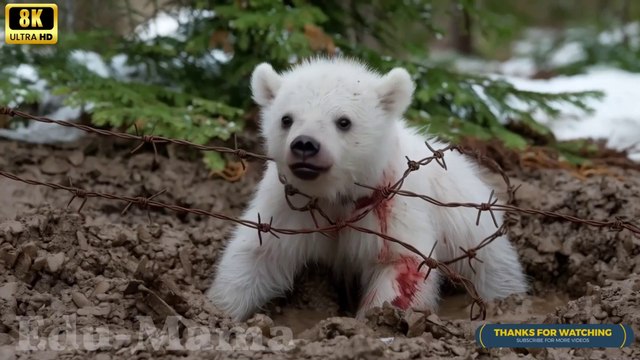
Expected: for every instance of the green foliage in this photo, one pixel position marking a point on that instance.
(619, 48)
(16, 90)
(17, 86)
(195, 84)
(132, 105)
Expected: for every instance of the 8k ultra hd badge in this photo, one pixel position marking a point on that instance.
(31, 24)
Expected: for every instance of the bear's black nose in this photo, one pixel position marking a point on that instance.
(305, 147)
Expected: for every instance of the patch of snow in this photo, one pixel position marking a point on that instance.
(92, 61)
(615, 36)
(123, 71)
(615, 116)
(468, 65)
(522, 67)
(28, 73)
(567, 54)
(168, 23)
(220, 56)
(42, 133)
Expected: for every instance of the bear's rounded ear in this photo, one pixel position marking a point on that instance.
(395, 91)
(265, 83)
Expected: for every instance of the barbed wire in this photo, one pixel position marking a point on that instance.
(144, 139)
(363, 206)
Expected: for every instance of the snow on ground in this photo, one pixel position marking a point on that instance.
(41, 133)
(616, 117)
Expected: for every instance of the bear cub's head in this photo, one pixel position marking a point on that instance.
(329, 123)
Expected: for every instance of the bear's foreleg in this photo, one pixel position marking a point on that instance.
(249, 274)
(400, 283)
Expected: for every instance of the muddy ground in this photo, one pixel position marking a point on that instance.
(99, 270)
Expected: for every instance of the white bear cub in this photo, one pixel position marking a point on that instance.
(332, 123)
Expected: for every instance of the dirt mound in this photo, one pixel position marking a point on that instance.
(103, 285)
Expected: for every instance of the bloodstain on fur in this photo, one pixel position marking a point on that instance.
(408, 278)
(382, 212)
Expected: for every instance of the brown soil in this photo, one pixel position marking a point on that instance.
(99, 268)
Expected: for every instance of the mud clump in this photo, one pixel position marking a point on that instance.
(99, 284)
(571, 255)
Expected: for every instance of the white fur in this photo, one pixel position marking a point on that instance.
(372, 152)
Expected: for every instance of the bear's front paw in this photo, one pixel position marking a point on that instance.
(229, 299)
(403, 285)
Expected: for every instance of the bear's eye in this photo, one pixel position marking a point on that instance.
(286, 121)
(343, 123)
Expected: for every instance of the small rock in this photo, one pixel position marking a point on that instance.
(109, 297)
(415, 323)
(39, 263)
(5, 339)
(55, 261)
(8, 256)
(53, 166)
(390, 315)
(185, 261)
(433, 318)
(8, 290)
(102, 356)
(598, 313)
(102, 310)
(82, 240)
(80, 300)
(457, 350)
(39, 298)
(569, 314)
(143, 234)
(337, 326)
(30, 249)
(101, 288)
(76, 158)
(615, 319)
(22, 267)
(549, 245)
(263, 322)
(12, 227)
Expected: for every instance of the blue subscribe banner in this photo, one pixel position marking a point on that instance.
(554, 335)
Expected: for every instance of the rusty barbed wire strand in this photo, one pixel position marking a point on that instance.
(261, 227)
(618, 224)
(145, 139)
(378, 195)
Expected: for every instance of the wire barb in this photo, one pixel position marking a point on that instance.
(77, 193)
(143, 203)
(488, 206)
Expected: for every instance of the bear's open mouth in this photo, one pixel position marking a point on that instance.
(306, 171)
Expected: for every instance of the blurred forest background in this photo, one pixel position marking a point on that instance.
(180, 68)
